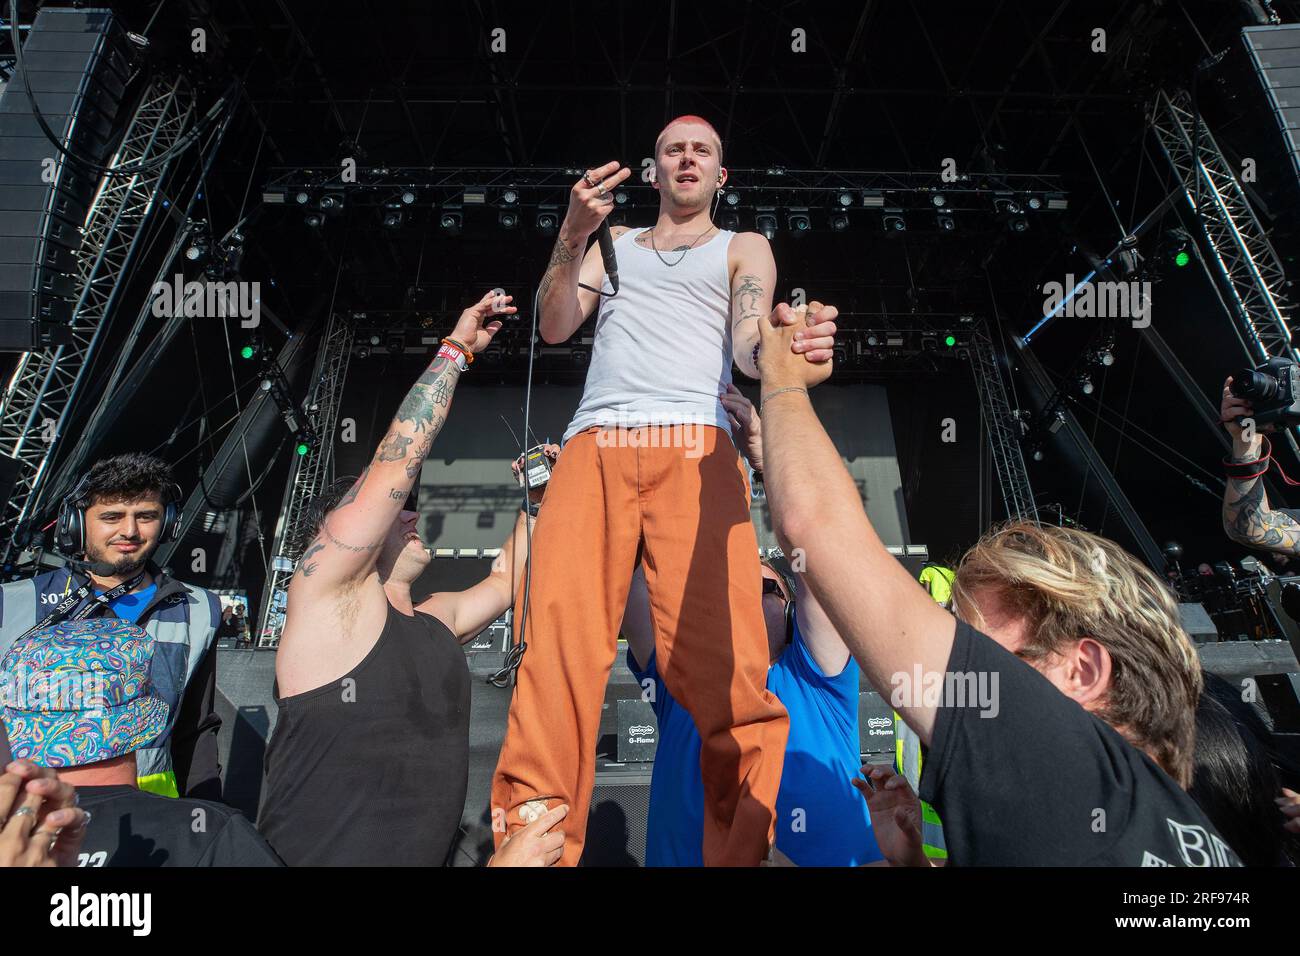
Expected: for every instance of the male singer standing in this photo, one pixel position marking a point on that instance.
(649, 476)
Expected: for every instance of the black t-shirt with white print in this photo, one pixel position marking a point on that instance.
(1039, 781)
(130, 827)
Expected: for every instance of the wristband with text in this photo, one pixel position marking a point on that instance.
(454, 354)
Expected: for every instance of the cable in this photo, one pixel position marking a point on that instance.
(20, 69)
(515, 656)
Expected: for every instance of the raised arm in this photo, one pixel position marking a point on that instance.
(1247, 517)
(819, 634)
(563, 306)
(889, 623)
(348, 544)
(467, 612)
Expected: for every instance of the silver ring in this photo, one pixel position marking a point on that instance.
(586, 178)
(600, 189)
(21, 812)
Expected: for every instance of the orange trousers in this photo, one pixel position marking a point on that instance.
(676, 497)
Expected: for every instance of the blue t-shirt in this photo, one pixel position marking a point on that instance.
(129, 607)
(821, 820)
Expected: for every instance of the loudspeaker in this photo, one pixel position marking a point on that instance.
(77, 65)
(620, 807)
(1275, 53)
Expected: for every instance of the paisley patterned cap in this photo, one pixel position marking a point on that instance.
(78, 692)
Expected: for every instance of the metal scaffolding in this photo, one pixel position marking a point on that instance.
(1248, 264)
(42, 393)
(1003, 425)
(308, 474)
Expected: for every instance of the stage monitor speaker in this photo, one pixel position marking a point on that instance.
(1197, 622)
(620, 807)
(1275, 53)
(77, 64)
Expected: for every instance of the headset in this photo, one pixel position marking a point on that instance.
(70, 527)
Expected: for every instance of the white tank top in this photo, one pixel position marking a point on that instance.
(662, 348)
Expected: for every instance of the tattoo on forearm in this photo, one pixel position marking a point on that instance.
(393, 447)
(397, 494)
(305, 564)
(1248, 519)
(561, 256)
(417, 457)
(437, 382)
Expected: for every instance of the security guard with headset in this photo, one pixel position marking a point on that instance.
(111, 572)
(908, 755)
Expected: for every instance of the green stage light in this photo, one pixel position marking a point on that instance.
(246, 352)
(950, 341)
(302, 448)
(1182, 258)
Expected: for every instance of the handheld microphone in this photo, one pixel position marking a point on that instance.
(606, 241)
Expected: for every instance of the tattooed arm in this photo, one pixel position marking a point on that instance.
(1247, 518)
(753, 277)
(350, 537)
(564, 306)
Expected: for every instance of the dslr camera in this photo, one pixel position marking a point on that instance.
(1273, 390)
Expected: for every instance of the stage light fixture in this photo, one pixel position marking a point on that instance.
(765, 222)
(798, 222)
(1182, 257)
(730, 219)
(938, 199)
(873, 340)
(509, 197)
(946, 222)
(846, 199)
(407, 197)
(1085, 385)
(893, 221)
(393, 216)
(547, 221)
(331, 202)
(301, 198)
(873, 198)
(620, 197)
(313, 219)
(1034, 202)
(839, 222)
(363, 351)
(732, 198)
(450, 222)
(197, 249)
(1106, 357)
(1038, 454)
(247, 352)
(475, 196)
(950, 340)
(1018, 224)
(396, 343)
(508, 220)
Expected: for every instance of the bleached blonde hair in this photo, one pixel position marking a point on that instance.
(1070, 584)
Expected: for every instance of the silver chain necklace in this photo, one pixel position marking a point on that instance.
(684, 251)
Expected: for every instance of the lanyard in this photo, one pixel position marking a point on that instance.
(64, 610)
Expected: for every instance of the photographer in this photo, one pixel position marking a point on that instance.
(1247, 517)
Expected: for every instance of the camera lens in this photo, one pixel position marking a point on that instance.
(1255, 386)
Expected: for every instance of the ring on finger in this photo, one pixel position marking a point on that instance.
(586, 178)
(600, 189)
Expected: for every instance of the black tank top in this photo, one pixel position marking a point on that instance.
(371, 769)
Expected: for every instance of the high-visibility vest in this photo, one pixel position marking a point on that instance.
(907, 762)
(908, 756)
(938, 581)
(181, 620)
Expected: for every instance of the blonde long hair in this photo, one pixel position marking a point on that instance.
(1069, 584)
